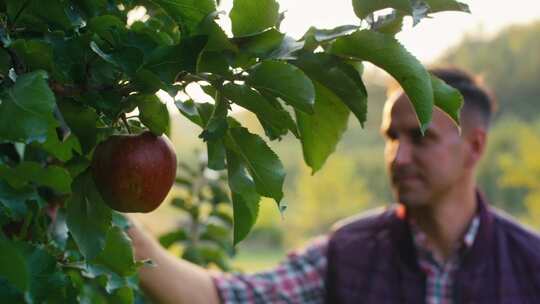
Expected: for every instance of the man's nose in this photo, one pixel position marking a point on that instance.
(403, 153)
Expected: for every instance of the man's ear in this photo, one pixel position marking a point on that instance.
(476, 137)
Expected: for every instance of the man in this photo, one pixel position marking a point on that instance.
(441, 244)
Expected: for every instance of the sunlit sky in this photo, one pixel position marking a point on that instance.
(428, 39)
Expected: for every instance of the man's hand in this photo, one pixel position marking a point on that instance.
(170, 280)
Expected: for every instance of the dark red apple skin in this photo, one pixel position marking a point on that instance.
(134, 173)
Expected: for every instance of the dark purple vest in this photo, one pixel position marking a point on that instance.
(373, 260)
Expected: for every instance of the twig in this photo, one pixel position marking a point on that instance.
(70, 90)
(18, 66)
(124, 120)
(23, 7)
(64, 90)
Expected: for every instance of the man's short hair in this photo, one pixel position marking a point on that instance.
(477, 98)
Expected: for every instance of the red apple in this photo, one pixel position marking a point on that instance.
(134, 173)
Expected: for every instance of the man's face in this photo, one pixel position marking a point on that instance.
(421, 168)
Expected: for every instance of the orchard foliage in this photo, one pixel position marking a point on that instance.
(73, 73)
(204, 232)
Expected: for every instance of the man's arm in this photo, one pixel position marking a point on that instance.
(172, 280)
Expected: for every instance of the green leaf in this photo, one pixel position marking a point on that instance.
(216, 231)
(216, 154)
(277, 132)
(447, 5)
(157, 36)
(102, 25)
(217, 39)
(224, 217)
(216, 125)
(9, 293)
(168, 61)
(40, 15)
(420, 10)
(193, 255)
(275, 118)
(198, 113)
(168, 239)
(188, 13)
(243, 60)
(123, 295)
(5, 63)
(323, 35)
(213, 62)
(118, 254)
(71, 54)
(389, 23)
(244, 197)
(35, 54)
(286, 51)
(219, 194)
(14, 200)
(61, 149)
(262, 163)
(107, 280)
(47, 282)
(153, 113)
(82, 120)
(181, 203)
(92, 7)
(189, 109)
(250, 17)
(120, 220)
(339, 77)
(314, 37)
(77, 165)
(26, 109)
(109, 102)
(260, 44)
(129, 59)
(215, 129)
(285, 81)
(387, 53)
(447, 98)
(143, 42)
(159, 27)
(13, 266)
(88, 218)
(362, 8)
(53, 176)
(147, 82)
(321, 132)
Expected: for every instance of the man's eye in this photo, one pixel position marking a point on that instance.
(391, 135)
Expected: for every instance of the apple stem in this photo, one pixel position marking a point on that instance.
(124, 120)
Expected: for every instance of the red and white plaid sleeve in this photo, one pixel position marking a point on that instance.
(298, 279)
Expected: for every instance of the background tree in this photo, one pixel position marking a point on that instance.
(521, 170)
(508, 62)
(336, 193)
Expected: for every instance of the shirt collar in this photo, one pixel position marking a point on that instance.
(422, 244)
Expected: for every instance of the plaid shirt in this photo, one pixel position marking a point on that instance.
(440, 276)
(300, 278)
